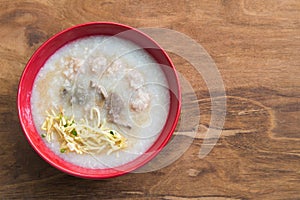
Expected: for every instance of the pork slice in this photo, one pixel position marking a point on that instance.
(115, 106)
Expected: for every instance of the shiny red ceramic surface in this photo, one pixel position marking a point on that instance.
(50, 47)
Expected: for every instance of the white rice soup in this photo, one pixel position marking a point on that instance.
(116, 77)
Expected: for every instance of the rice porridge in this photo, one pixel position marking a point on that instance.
(100, 102)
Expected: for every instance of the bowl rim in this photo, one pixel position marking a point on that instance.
(50, 159)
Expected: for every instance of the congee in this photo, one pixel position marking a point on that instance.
(100, 101)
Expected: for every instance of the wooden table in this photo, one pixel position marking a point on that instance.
(255, 45)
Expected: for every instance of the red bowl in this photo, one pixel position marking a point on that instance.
(56, 42)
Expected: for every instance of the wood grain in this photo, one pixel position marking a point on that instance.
(255, 45)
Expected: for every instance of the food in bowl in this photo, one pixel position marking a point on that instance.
(99, 100)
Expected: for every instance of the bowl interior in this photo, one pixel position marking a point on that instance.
(50, 47)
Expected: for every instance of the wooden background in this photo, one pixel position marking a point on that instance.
(256, 46)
